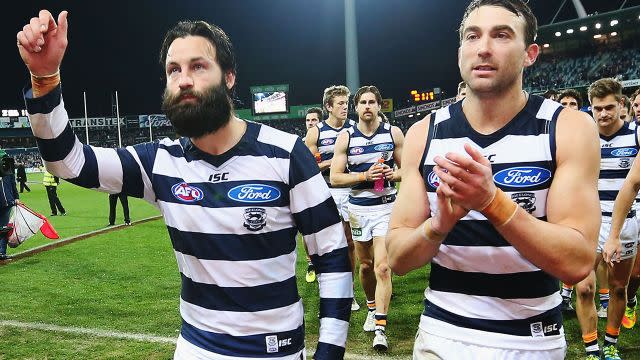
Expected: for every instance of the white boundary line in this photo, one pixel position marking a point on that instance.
(146, 337)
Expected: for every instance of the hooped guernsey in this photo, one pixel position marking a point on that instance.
(232, 220)
(481, 289)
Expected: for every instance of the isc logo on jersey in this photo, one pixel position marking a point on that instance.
(186, 192)
(327, 141)
(254, 193)
(624, 152)
(522, 176)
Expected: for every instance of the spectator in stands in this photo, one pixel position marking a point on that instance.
(113, 201)
(314, 115)
(462, 91)
(571, 98)
(551, 94)
(8, 199)
(21, 176)
(50, 183)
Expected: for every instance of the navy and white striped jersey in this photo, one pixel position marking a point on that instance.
(617, 153)
(326, 141)
(481, 289)
(364, 151)
(232, 220)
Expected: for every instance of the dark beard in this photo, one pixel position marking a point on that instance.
(210, 112)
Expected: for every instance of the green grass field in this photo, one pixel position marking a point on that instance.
(126, 281)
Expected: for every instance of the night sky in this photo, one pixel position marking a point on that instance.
(114, 45)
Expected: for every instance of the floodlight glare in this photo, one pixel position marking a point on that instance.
(558, 33)
(583, 28)
(598, 25)
(545, 45)
(569, 31)
(597, 36)
(613, 22)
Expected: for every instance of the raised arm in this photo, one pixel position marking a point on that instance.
(42, 44)
(414, 237)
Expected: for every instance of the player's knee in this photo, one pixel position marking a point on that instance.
(617, 289)
(366, 265)
(586, 290)
(383, 270)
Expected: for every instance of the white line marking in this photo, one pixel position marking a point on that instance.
(91, 332)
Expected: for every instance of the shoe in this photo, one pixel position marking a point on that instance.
(610, 353)
(602, 312)
(109, 224)
(127, 223)
(311, 274)
(592, 357)
(629, 318)
(63, 214)
(354, 305)
(566, 304)
(3, 257)
(370, 322)
(380, 341)
(53, 215)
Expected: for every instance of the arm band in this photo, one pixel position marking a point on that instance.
(362, 176)
(42, 85)
(500, 210)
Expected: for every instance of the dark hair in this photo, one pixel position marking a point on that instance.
(605, 87)
(634, 95)
(367, 89)
(626, 102)
(316, 110)
(550, 93)
(225, 55)
(518, 7)
(571, 93)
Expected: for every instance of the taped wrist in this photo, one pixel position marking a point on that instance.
(43, 84)
(500, 210)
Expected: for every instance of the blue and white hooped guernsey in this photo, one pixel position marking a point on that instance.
(232, 220)
(617, 153)
(364, 151)
(481, 289)
(326, 141)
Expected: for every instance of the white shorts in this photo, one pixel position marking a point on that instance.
(341, 198)
(432, 347)
(628, 237)
(369, 221)
(187, 351)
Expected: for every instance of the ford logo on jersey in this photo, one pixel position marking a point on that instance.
(433, 179)
(356, 151)
(624, 152)
(383, 147)
(522, 176)
(254, 193)
(327, 141)
(186, 192)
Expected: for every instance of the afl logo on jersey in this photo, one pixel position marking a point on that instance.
(433, 179)
(383, 147)
(356, 151)
(327, 141)
(624, 152)
(522, 176)
(187, 193)
(254, 193)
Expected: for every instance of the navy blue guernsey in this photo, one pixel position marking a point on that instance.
(326, 142)
(232, 220)
(364, 151)
(481, 289)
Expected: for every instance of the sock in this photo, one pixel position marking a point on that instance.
(381, 322)
(591, 343)
(632, 302)
(566, 291)
(371, 305)
(604, 297)
(611, 337)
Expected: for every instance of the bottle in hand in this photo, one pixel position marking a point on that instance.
(378, 185)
